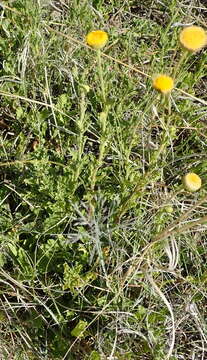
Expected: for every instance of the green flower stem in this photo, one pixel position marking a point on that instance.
(134, 134)
(100, 71)
(183, 58)
(169, 106)
(80, 140)
(81, 125)
(103, 123)
(103, 143)
(150, 175)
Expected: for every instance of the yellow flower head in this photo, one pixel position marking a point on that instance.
(193, 38)
(97, 39)
(192, 182)
(163, 83)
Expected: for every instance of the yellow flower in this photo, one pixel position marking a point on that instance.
(193, 38)
(192, 182)
(97, 39)
(163, 83)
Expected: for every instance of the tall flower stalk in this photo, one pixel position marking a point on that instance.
(97, 40)
(100, 72)
(164, 84)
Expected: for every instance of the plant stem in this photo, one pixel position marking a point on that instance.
(103, 122)
(100, 71)
(102, 146)
(169, 105)
(80, 140)
(180, 62)
(146, 178)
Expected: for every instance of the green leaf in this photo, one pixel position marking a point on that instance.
(79, 329)
(94, 356)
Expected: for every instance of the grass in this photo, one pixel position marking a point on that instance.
(103, 253)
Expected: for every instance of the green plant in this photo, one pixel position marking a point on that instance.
(102, 250)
